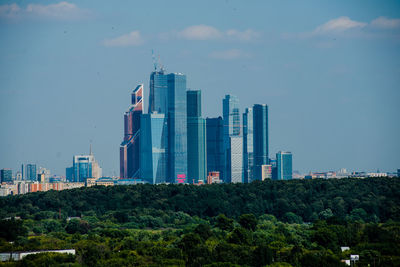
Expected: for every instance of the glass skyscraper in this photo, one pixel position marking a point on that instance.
(129, 149)
(215, 146)
(158, 97)
(260, 141)
(196, 138)
(248, 155)
(31, 172)
(177, 128)
(231, 117)
(153, 148)
(284, 165)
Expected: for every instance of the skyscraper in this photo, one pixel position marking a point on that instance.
(158, 97)
(31, 172)
(177, 128)
(83, 167)
(231, 117)
(196, 138)
(284, 165)
(248, 155)
(153, 148)
(5, 175)
(260, 141)
(215, 146)
(129, 149)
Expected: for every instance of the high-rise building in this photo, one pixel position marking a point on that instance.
(46, 173)
(158, 96)
(69, 174)
(284, 165)
(266, 172)
(248, 155)
(84, 167)
(31, 172)
(260, 141)
(6, 175)
(196, 138)
(129, 149)
(231, 117)
(153, 148)
(215, 146)
(234, 173)
(177, 128)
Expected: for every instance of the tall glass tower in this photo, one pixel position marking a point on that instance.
(215, 146)
(196, 138)
(248, 155)
(284, 165)
(260, 141)
(158, 96)
(232, 142)
(153, 148)
(129, 148)
(177, 128)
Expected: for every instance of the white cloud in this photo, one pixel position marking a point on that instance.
(131, 39)
(200, 32)
(229, 54)
(204, 32)
(246, 35)
(340, 24)
(60, 11)
(385, 23)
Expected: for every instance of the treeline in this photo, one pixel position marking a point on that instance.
(295, 201)
(220, 241)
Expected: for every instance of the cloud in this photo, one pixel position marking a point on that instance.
(200, 32)
(385, 23)
(229, 54)
(58, 11)
(246, 35)
(131, 39)
(338, 25)
(204, 32)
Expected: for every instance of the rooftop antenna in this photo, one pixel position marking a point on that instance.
(155, 63)
(90, 151)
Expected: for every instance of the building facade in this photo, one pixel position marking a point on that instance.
(130, 146)
(260, 141)
(231, 120)
(248, 155)
(284, 165)
(215, 146)
(153, 148)
(6, 175)
(31, 172)
(177, 128)
(196, 138)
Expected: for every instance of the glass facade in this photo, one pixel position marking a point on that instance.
(260, 134)
(196, 139)
(284, 165)
(31, 172)
(248, 155)
(158, 97)
(153, 148)
(6, 175)
(215, 145)
(82, 166)
(177, 129)
(231, 117)
(235, 160)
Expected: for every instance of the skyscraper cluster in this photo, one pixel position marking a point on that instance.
(173, 143)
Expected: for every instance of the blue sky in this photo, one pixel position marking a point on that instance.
(329, 71)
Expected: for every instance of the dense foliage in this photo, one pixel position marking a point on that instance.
(370, 200)
(258, 224)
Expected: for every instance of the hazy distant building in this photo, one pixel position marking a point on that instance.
(232, 140)
(266, 172)
(284, 165)
(130, 146)
(213, 178)
(398, 172)
(196, 138)
(46, 173)
(248, 155)
(153, 148)
(83, 167)
(31, 172)
(260, 141)
(215, 146)
(69, 174)
(6, 175)
(18, 176)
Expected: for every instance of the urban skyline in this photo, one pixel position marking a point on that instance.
(331, 80)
